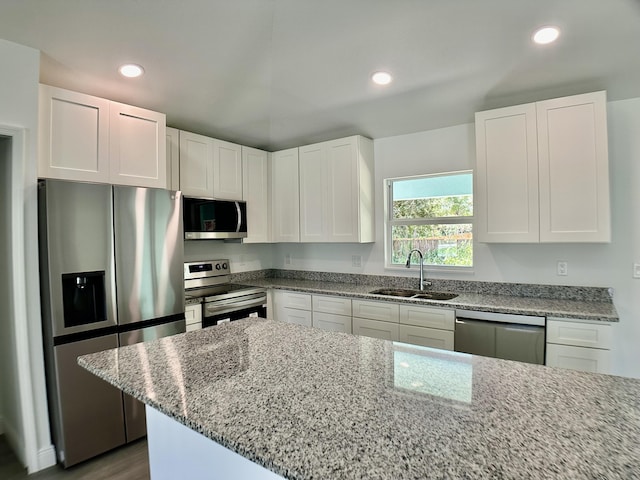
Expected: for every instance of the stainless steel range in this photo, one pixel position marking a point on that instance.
(223, 301)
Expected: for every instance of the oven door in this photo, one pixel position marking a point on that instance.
(214, 315)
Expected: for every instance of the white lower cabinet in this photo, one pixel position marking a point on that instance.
(331, 313)
(427, 326)
(578, 345)
(376, 319)
(193, 317)
(292, 307)
(376, 329)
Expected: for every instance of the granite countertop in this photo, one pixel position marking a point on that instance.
(306, 403)
(547, 307)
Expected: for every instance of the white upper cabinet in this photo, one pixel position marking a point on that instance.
(506, 196)
(196, 165)
(227, 170)
(285, 201)
(256, 192)
(542, 172)
(85, 138)
(209, 167)
(74, 136)
(574, 169)
(336, 191)
(137, 146)
(173, 158)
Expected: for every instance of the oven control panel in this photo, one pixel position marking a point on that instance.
(207, 268)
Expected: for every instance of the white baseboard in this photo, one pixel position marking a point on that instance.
(46, 458)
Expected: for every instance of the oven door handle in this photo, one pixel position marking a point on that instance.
(213, 309)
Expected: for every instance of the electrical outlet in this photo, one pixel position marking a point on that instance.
(563, 269)
(636, 270)
(356, 261)
(287, 259)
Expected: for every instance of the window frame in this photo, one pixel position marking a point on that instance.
(389, 223)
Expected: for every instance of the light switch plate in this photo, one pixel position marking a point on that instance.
(636, 270)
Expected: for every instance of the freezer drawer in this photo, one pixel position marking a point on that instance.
(91, 415)
(134, 413)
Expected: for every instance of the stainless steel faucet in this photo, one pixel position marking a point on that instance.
(421, 266)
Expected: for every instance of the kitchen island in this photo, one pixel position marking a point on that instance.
(305, 403)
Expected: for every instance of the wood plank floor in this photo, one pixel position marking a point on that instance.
(130, 462)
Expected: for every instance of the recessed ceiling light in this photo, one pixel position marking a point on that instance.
(381, 78)
(131, 70)
(546, 35)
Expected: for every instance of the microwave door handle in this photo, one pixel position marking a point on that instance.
(239, 216)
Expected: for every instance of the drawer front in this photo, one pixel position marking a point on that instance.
(441, 318)
(579, 334)
(331, 322)
(427, 337)
(385, 311)
(375, 329)
(293, 315)
(294, 300)
(337, 305)
(584, 359)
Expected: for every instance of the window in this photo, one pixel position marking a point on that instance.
(433, 213)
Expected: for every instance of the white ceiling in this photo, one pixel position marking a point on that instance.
(280, 73)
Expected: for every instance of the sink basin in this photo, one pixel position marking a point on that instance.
(435, 296)
(407, 293)
(395, 292)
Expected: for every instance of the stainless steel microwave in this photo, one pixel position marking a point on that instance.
(212, 219)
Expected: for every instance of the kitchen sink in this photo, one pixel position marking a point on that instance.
(435, 295)
(407, 293)
(395, 292)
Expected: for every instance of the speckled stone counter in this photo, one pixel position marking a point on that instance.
(522, 305)
(307, 403)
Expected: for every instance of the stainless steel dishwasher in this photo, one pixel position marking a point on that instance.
(500, 335)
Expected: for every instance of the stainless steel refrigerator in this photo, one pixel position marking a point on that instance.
(111, 271)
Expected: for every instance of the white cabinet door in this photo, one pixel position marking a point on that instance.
(331, 322)
(440, 318)
(574, 169)
(173, 158)
(427, 337)
(313, 193)
(298, 300)
(385, 311)
(579, 334)
(227, 170)
(73, 136)
(578, 358)
(336, 191)
(375, 328)
(292, 315)
(285, 196)
(330, 304)
(342, 190)
(506, 194)
(137, 146)
(256, 192)
(196, 165)
(193, 317)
